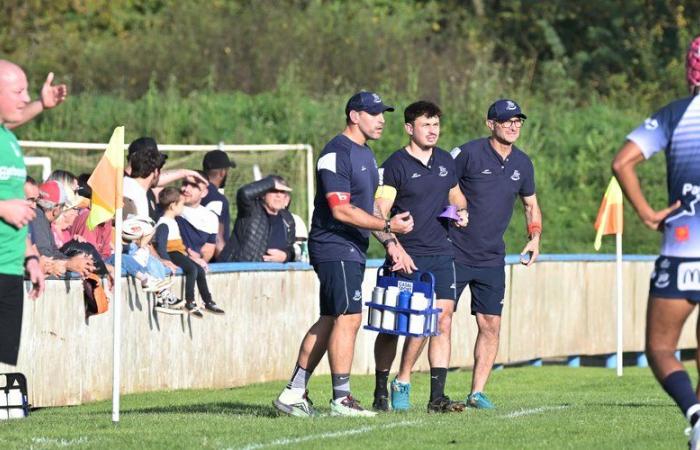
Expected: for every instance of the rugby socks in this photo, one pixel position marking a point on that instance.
(300, 378)
(678, 386)
(341, 385)
(381, 378)
(438, 377)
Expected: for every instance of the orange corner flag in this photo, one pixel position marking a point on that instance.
(609, 220)
(106, 181)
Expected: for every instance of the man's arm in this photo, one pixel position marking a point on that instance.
(624, 167)
(394, 250)
(350, 214)
(533, 219)
(456, 197)
(207, 251)
(51, 96)
(169, 176)
(32, 266)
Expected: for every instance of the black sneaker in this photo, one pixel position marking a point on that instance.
(445, 405)
(193, 310)
(380, 403)
(212, 308)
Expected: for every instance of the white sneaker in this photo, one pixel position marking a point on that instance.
(295, 402)
(348, 406)
(694, 433)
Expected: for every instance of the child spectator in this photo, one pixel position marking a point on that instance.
(138, 262)
(170, 246)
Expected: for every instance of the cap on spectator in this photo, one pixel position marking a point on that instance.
(503, 110)
(217, 159)
(51, 194)
(367, 101)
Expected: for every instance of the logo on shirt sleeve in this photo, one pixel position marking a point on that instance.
(380, 171)
(326, 162)
(651, 124)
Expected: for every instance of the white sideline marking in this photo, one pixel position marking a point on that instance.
(290, 441)
(527, 412)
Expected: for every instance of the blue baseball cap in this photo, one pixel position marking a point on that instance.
(367, 101)
(503, 110)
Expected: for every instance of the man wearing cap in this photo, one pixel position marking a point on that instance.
(216, 164)
(17, 255)
(492, 172)
(346, 180)
(264, 228)
(420, 177)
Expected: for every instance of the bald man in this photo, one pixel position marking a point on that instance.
(16, 255)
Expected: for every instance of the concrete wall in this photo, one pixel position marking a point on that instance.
(552, 309)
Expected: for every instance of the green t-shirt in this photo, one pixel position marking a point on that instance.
(13, 173)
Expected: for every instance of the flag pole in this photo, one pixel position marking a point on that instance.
(618, 284)
(116, 310)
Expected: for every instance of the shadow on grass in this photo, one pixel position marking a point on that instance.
(632, 405)
(228, 408)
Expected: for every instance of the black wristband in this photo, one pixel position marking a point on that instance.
(30, 257)
(387, 226)
(389, 241)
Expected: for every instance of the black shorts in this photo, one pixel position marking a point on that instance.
(487, 286)
(675, 277)
(11, 303)
(341, 287)
(443, 269)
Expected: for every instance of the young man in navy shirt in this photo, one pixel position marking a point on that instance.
(420, 178)
(674, 289)
(216, 165)
(346, 179)
(492, 173)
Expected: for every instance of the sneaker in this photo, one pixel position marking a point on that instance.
(444, 405)
(212, 308)
(380, 403)
(400, 393)
(479, 400)
(167, 303)
(193, 310)
(348, 406)
(694, 433)
(295, 402)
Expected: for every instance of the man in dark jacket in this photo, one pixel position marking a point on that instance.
(264, 229)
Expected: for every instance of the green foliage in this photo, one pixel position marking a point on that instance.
(265, 71)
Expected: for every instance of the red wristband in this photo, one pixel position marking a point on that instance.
(533, 228)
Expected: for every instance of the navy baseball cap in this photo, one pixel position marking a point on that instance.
(367, 101)
(503, 110)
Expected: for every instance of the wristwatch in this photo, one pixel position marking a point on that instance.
(387, 226)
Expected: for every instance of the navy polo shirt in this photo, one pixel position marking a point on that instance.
(217, 203)
(424, 191)
(491, 185)
(343, 166)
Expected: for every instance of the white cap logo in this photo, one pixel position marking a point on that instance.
(376, 98)
(510, 106)
(651, 124)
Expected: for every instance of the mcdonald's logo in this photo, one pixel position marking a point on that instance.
(689, 276)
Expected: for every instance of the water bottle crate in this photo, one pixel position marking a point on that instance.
(399, 316)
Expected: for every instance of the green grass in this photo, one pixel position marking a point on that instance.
(550, 407)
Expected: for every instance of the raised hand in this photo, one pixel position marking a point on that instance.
(52, 96)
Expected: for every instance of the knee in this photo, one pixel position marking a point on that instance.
(490, 329)
(445, 323)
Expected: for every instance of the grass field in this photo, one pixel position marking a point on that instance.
(550, 407)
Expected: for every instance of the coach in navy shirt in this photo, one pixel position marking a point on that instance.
(346, 179)
(421, 178)
(492, 174)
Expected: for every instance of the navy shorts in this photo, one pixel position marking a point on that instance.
(443, 269)
(676, 278)
(487, 286)
(341, 287)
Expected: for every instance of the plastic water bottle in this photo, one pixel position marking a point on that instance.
(402, 317)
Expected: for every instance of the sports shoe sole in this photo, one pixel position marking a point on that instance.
(289, 410)
(218, 313)
(171, 311)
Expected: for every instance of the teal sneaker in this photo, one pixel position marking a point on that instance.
(479, 400)
(400, 394)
